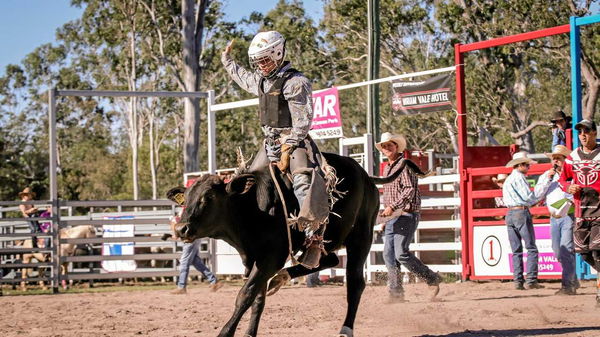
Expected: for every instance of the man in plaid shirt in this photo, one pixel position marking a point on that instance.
(402, 202)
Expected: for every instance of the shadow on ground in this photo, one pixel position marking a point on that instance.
(519, 332)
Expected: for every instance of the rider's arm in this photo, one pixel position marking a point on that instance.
(298, 93)
(247, 80)
(566, 174)
(543, 184)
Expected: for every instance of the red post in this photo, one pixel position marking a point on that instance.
(462, 158)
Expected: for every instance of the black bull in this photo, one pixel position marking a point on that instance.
(247, 214)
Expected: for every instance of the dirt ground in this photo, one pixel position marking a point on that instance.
(466, 309)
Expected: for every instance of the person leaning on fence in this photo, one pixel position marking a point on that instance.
(499, 181)
(560, 123)
(30, 211)
(518, 197)
(561, 222)
(579, 177)
(402, 202)
(189, 257)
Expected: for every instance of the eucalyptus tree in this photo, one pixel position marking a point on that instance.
(523, 82)
(410, 41)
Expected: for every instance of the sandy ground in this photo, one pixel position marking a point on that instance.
(466, 309)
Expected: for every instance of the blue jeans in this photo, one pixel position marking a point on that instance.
(189, 257)
(564, 249)
(520, 227)
(398, 235)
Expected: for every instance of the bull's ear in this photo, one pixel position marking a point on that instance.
(177, 195)
(240, 184)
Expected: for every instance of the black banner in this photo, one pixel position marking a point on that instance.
(411, 98)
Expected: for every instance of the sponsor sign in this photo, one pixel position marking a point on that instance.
(327, 121)
(492, 255)
(411, 98)
(118, 248)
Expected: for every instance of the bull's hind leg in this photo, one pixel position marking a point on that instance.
(326, 261)
(358, 245)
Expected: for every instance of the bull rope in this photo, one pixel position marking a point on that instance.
(285, 212)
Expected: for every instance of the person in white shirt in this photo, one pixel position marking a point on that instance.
(559, 203)
(518, 197)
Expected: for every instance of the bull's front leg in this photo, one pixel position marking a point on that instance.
(255, 285)
(257, 309)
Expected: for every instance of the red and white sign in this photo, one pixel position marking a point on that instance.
(327, 121)
(492, 255)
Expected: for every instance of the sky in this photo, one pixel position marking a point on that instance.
(27, 24)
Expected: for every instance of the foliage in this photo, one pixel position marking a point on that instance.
(136, 45)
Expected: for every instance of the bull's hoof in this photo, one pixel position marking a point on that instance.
(345, 332)
(278, 281)
(434, 290)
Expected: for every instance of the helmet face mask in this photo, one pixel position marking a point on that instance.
(266, 52)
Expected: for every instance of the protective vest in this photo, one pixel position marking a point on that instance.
(274, 109)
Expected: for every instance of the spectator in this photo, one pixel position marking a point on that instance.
(499, 181)
(189, 257)
(45, 226)
(402, 201)
(560, 123)
(559, 203)
(518, 197)
(312, 280)
(30, 211)
(579, 177)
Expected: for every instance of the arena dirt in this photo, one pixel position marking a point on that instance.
(465, 309)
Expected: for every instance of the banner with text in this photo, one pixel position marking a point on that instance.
(411, 98)
(327, 121)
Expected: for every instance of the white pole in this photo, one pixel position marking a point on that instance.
(212, 149)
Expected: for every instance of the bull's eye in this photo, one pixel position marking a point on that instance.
(206, 198)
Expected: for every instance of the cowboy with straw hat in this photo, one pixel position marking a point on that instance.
(402, 202)
(29, 211)
(27, 192)
(559, 203)
(518, 197)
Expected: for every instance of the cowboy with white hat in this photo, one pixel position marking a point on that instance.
(402, 202)
(388, 138)
(518, 197)
(559, 203)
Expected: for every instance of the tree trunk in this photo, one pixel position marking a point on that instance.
(134, 117)
(193, 27)
(152, 146)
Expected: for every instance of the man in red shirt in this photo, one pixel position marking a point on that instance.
(580, 177)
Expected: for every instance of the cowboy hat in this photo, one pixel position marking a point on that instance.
(559, 150)
(520, 158)
(27, 191)
(500, 178)
(558, 115)
(389, 137)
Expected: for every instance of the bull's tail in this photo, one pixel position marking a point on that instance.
(405, 162)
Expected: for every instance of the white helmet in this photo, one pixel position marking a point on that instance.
(266, 52)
